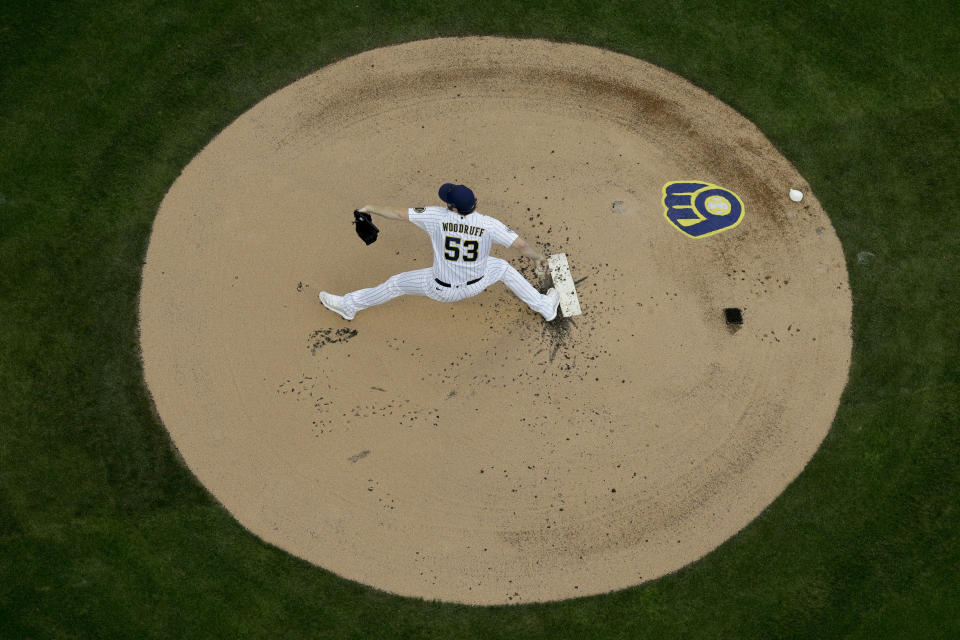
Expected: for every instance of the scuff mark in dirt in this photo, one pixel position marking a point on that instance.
(323, 337)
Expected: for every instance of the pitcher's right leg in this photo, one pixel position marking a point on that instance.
(544, 304)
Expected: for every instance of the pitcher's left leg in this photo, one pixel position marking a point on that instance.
(409, 283)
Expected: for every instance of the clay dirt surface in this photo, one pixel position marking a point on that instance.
(471, 452)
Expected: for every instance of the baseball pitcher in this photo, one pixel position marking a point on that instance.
(462, 266)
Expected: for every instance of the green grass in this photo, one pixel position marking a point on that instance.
(103, 531)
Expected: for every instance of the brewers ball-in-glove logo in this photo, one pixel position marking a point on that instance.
(701, 209)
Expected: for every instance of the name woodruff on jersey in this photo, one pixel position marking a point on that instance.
(456, 227)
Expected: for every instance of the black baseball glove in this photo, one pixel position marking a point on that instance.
(365, 227)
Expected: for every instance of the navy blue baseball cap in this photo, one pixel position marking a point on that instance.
(459, 196)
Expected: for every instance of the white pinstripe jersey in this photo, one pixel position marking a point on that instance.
(461, 244)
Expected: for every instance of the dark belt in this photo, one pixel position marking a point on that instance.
(445, 284)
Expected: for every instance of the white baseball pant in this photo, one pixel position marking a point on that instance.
(421, 282)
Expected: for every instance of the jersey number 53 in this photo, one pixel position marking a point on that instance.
(457, 249)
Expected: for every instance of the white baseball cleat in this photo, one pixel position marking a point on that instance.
(335, 304)
(555, 303)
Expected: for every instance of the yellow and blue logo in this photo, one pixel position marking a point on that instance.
(701, 209)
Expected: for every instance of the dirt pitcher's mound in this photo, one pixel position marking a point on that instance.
(470, 452)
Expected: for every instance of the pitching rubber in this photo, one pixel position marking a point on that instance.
(563, 283)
